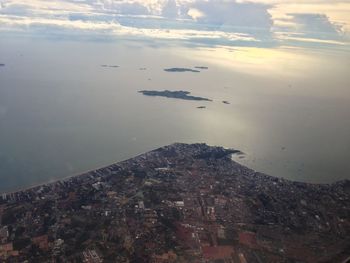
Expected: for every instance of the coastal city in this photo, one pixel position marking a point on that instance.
(179, 203)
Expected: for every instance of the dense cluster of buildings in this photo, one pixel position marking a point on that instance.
(179, 203)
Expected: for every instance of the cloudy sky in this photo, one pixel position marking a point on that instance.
(321, 23)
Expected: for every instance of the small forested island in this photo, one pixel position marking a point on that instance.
(179, 94)
(181, 70)
(177, 204)
(201, 67)
(226, 102)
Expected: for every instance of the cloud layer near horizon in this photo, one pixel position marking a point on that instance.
(218, 22)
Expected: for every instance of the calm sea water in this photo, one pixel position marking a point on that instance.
(61, 113)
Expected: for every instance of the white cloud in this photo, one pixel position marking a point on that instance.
(241, 22)
(316, 25)
(223, 12)
(170, 9)
(195, 14)
(310, 28)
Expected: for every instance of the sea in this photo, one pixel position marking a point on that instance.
(62, 112)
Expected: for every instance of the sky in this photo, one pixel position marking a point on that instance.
(254, 23)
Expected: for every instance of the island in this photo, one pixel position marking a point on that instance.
(201, 107)
(181, 70)
(110, 66)
(226, 102)
(179, 94)
(201, 67)
(2, 65)
(179, 203)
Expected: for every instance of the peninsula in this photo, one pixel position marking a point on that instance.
(179, 203)
(180, 94)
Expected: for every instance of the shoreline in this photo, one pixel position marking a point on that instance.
(26, 188)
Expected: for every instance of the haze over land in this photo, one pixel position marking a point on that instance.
(68, 86)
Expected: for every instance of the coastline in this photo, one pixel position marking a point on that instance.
(85, 172)
(26, 188)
